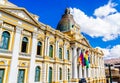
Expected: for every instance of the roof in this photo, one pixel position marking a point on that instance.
(112, 61)
(67, 22)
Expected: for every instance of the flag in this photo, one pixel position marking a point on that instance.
(86, 57)
(81, 58)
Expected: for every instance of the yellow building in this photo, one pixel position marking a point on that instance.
(32, 52)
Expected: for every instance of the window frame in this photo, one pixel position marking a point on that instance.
(24, 49)
(5, 40)
(37, 74)
(39, 48)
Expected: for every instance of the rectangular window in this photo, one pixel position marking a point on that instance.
(1, 75)
(21, 75)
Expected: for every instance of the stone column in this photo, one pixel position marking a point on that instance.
(85, 72)
(13, 74)
(48, 44)
(44, 73)
(58, 50)
(55, 73)
(45, 50)
(65, 51)
(74, 63)
(32, 59)
(89, 72)
(80, 71)
(64, 73)
(1, 22)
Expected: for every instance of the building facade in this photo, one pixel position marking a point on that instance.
(32, 52)
(112, 66)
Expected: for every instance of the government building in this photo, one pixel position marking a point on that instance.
(33, 52)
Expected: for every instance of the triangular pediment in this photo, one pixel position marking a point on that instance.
(85, 42)
(21, 13)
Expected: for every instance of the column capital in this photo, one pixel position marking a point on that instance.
(19, 29)
(35, 35)
(1, 22)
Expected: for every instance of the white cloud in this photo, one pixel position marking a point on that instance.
(111, 53)
(106, 24)
(105, 10)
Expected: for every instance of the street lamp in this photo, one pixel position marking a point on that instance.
(110, 76)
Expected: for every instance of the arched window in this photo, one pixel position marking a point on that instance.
(68, 74)
(2, 71)
(60, 74)
(50, 75)
(24, 44)
(60, 53)
(5, 40)
(39, 48)
(50, 51)
(37, 74)
(68, 57)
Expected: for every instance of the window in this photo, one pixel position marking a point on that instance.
(50, 75)
(5, 40)
(50, 51)
(39, 48)
(21, 75)
(1, 75)
(68, 74)
(68, 57)
(60, 74)
(24, 44)
(60, 53)
(37, 74)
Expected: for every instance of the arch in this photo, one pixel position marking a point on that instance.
(24, 44)
(50, 75)
(37, 74)
(60, 53)
(5, 40)
(39, 48)
(51, 51)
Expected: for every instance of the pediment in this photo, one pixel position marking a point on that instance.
(85, 42)
(21, 13)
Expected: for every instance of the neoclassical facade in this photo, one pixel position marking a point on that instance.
(32, 52)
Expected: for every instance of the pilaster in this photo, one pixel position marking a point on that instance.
(32, 59)
(65, 51)
(14, 61)
(85, 72)
(44, 73)
(74, 65)
(1, 23)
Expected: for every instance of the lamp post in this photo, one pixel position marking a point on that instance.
(110, 76)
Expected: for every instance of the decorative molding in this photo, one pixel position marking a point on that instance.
(23, 64)
(24, 54)
(8, 26)
(52, 43)
(40, 39)
(20, 13)
(3, 62)
(5, 51)
(1, 22)
(19, 29)
(26, 33)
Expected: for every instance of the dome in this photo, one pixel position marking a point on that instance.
(67, 22)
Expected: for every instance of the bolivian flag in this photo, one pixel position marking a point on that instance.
(86, 57)
(81, 58)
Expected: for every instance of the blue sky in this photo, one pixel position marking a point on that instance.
(99, 19)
